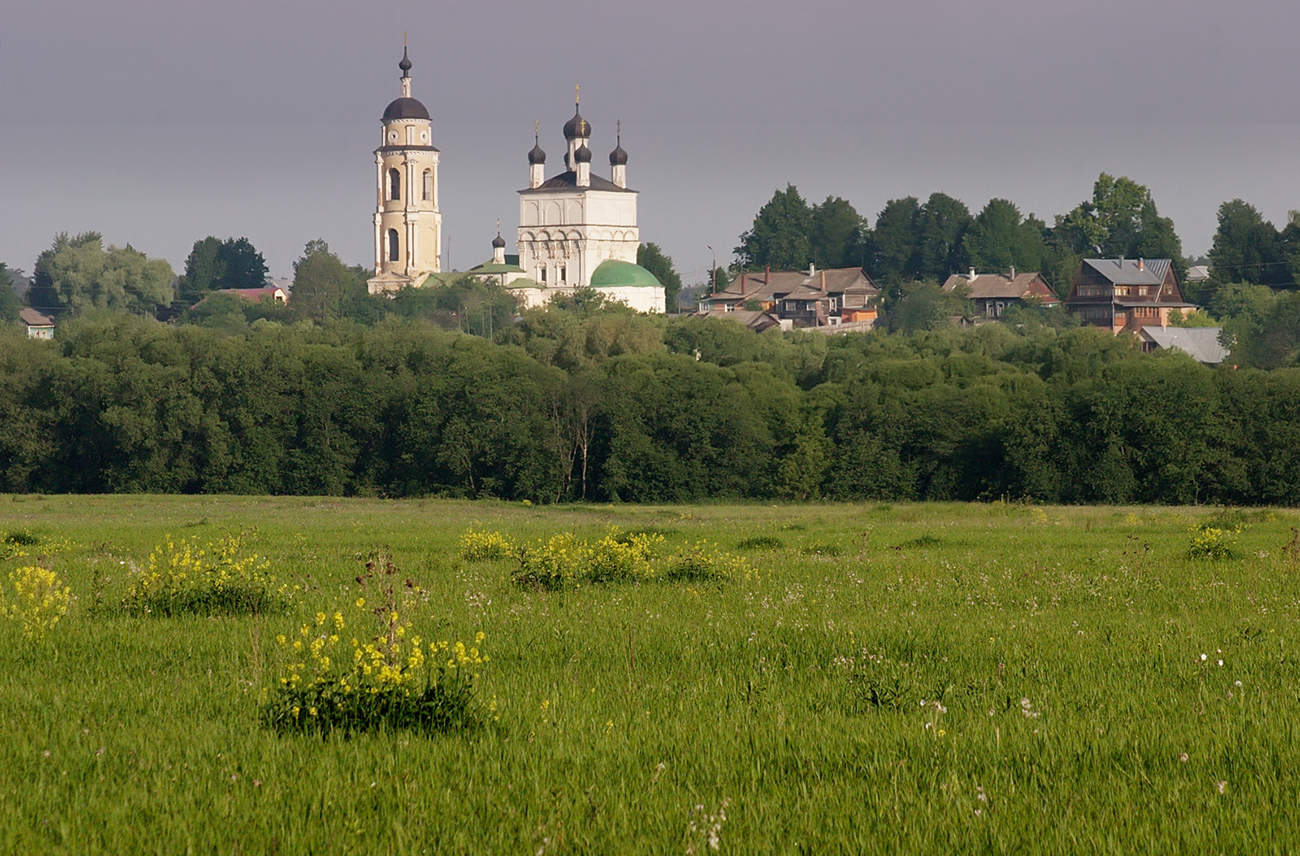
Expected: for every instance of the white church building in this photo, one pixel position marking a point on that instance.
(576, 229)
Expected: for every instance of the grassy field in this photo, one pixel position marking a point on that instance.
(993, 678)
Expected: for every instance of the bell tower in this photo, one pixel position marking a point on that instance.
(408, 224)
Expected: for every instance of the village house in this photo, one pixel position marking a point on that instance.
(39, 326)
(256, 295)
(994, 293)
(811, 298)
(1202, 343)
(1126, 294)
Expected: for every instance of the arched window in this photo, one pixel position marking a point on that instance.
(428, 185)
(394, 184)
(392, 244)
(543, 276)
(564, 273)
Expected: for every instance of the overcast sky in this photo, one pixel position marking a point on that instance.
(159, 123)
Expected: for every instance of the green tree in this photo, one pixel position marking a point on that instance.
(10, 304)
(942, 224)
(650, 257)
(1119, 221)
(999, 239)
(80, 273)
(895, 244)
(216, 264)
(322, 284)
(779, 236)
(837, 234)
(1247, 248)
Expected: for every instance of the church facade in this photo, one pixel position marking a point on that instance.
(576, 229)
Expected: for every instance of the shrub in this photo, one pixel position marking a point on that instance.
(38, 601)
(563, 561)
(477, 546)
(556, 563)
(216, 579)
(621, 558)
(383, 676)
(1209, 541)
(760, 542)
(703, 562)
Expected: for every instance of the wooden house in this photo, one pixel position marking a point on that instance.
(994, 293)
(1126, 294)
(812, 298)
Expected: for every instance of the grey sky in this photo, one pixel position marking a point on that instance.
(159, 123)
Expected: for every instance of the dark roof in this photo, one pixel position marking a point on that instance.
(569, 181)
(1131, 271)
(405, 108)
(577, 126)
(406, 149)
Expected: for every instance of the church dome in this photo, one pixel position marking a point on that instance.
(612, 273)
(536, 156)
(582, 155)
(498, 242)
(618, 157)
(577, 127)
(405, 108)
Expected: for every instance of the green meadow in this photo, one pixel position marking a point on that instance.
(905, 678)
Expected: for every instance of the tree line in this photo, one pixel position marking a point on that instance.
(582, 401)
(927, 241)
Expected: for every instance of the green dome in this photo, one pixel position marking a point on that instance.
(613, 274)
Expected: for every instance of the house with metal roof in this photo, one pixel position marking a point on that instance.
(1126, 294)
(1201, 343)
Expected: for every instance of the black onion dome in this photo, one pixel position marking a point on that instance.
(582, 155)
(405, 64)
(577, 126)
(618, 157)
(498, 242)
(405, 108)
(536, 156)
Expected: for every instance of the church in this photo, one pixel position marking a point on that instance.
(576, 229)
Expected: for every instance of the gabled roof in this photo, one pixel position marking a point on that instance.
(754, 319)
(254, 294)
(1201, 342)
(987, 286)
(32, 318)
(1131, 271)
(850, 280)
(568, 182)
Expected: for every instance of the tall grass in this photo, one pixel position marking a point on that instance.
(893, 679)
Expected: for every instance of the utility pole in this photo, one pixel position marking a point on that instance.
(713, 270)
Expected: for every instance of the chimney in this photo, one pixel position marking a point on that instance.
(812, 269)
(1142, 264)
(823, 280)
(742, 283)
(767, 270)
(971, 276)
(1013, 271)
